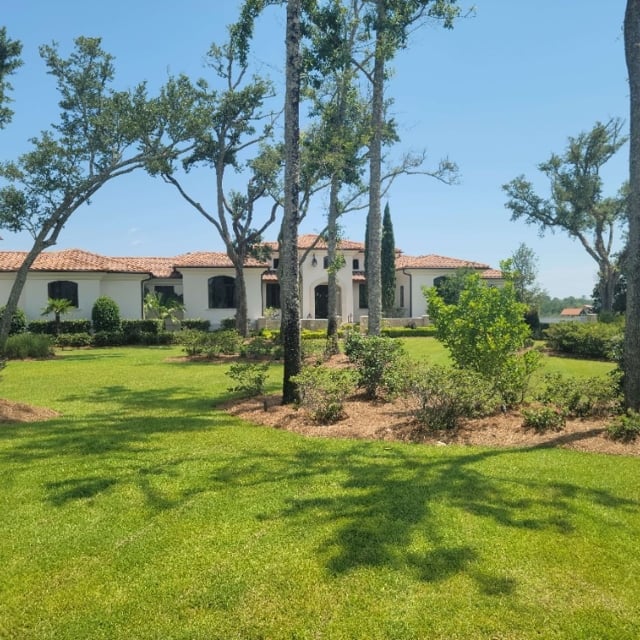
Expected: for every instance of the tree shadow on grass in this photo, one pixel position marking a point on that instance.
(392, 509)
(367, 505)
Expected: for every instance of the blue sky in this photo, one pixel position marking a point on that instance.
(496, 95)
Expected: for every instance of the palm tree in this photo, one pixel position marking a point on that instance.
(57, 306)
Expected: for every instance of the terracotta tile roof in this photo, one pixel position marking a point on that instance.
(576, 311)
(306, 241)
(270, 276)
(436, 262)
(211, 259)
(157, 267)
(359, 276)
(492, 274)
(69, 260)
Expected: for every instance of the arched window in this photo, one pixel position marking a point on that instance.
(222, 292)
(63, 289)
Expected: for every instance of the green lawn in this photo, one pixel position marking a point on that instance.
(143, 512)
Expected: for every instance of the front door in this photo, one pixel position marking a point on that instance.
(322, 301)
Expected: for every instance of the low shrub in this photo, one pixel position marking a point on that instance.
(133, 329)
(196, 323)
(108, 339)
(409, 332)
(626, 427)
(323, 391)
(258, 348)
(250, 377)
(74, 340)
(581, 397)
(18, 321)
(209, 344)
(379, 362)
(588, 340)
(228, 324)
(444, 395)
(162, 338)
(28, 345)
(314, 349)
(48, 327)
(105, 315)
(544, 418)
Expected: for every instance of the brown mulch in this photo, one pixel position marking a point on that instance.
(20, 412)
(392, 421)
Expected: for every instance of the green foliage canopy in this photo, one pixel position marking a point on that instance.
(486, 332)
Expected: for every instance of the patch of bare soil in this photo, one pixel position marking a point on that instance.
(393, 421)
(20, 412)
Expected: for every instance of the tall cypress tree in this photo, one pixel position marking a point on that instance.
(388, 263)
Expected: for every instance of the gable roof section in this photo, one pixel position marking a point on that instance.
(209, 259)
(307, 240)
(432, 261)
(69, 260)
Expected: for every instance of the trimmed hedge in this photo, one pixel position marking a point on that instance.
(587, 340)
(74, 340)
(48, 327)
(139, 331)
(196, 324)
(408, 332)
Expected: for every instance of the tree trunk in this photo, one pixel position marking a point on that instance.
(241, 301)
(374, 218)
(632, 327)
(290, 291)
(609, 277)
(16, 290)
(332, 247)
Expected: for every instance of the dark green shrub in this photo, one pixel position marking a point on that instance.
(66, 326)
(74, 340)
(193, 341)
(18, 321)
(228, 324)
(323, 391)
(139, 331)
(581, 397)
(544, 418)
(163, 338)
(379, 363)
(210, 344)
(313, 348)
(587, 340)
(196, 323)
(257, 348)
(105, 315)
(625, 428)
(250, 377)
(108, 339)
(532, 318)
(28, 345)
(444, 395)
(227, 341)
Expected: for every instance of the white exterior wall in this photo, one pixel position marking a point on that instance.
(126, 290)
(312, 276)
(123, 288)
(195, 288)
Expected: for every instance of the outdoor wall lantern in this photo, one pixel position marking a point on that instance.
(314, 261)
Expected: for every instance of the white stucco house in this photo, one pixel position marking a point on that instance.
(204, 281)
